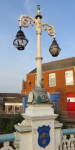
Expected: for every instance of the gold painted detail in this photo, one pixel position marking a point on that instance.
(44, 141)
(44, 135)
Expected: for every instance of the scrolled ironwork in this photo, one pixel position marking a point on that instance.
(50, 29)
(25, 22)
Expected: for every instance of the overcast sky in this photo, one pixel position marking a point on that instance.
(14, 64)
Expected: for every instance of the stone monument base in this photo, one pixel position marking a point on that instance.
(37, 130)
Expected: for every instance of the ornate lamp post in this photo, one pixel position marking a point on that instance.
(20, 43)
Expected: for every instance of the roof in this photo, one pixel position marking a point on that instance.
(10, 95)
(55, 65)
(15, 100)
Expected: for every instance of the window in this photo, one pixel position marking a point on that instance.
(69, 77)
(16, 109)
(52, 81)
(1, 100)
(10, 109)
(1, 107)
(70, 99)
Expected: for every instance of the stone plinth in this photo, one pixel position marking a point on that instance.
(38, 115)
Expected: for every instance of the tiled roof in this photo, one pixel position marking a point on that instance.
(14, 100)
(10, 95)
(55, 65)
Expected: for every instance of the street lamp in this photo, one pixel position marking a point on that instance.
(20, 43)
(54, 48)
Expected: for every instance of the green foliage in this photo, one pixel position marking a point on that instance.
(7, 125)
(59, 115)
(3, 124)
(68, 137)
(65, 126)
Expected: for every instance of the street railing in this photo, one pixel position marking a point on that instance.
(6, 139)
(9, 113)
(68, 114)
(67, 144)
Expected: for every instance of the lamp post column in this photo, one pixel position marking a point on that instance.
(38, 24)
(39, 59)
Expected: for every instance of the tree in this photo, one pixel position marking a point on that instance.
(7, 125)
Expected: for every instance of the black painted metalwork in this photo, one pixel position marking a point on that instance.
(20, 41)
(54, 48)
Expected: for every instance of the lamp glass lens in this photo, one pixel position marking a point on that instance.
(19, 41)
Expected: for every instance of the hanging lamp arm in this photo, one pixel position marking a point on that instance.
(24, 21)
(50, 29)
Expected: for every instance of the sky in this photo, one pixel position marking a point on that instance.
(15, 64)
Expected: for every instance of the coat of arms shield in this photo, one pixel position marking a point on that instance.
(44, 136)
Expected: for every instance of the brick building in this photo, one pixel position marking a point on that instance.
(23, 91)
(11, 103)
(59, 76)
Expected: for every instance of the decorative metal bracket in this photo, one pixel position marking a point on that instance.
(25, 22)
(50, 29)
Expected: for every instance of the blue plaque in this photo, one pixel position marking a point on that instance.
(44, 136)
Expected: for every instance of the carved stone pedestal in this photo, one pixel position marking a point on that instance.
(37, 130)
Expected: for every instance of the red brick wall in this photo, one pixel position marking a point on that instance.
(60, 85)
(30, 78)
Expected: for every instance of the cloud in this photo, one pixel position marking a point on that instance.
(28, 5)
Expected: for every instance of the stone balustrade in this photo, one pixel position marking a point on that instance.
(67, 144)
(6, 139)
(64, 143)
